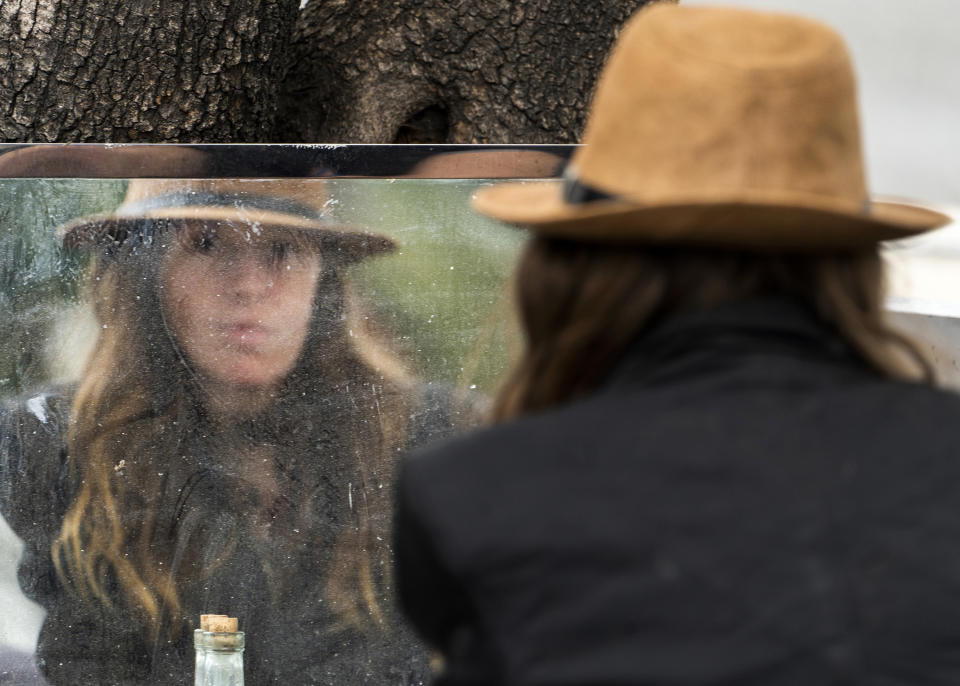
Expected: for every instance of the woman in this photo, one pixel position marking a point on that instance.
(227, 448)
(715, 463)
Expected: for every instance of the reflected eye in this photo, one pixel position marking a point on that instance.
(281, 251)
(204, 241)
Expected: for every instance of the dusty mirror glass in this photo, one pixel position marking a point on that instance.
(206, 385)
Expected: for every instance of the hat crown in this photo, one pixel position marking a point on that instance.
(288, 204)
(715, 104)
(745, 39)
(310, 195)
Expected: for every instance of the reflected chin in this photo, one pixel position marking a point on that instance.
(245, 372)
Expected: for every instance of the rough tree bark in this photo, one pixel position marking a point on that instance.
(142, 70)
(263, 71)
(456, 71)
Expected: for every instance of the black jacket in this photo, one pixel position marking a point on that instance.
(743, 503)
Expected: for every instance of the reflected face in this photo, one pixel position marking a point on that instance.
(238, 303)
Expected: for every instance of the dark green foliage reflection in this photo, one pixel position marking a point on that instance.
(39, 280)
(444, 296)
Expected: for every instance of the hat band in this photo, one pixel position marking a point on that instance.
(575, 192)
(232, 200)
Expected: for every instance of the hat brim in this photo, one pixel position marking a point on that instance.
(798, 222)
(350, 243)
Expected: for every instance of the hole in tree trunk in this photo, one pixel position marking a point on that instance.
(429, 125)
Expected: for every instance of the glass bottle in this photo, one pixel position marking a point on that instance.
(219, 652)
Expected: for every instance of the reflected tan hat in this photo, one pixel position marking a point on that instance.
(717, 127)
(299, 204)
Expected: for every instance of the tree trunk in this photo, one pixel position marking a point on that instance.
(454, 71)
(142, 70)
(375, 71)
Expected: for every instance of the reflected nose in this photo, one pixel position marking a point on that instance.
(248, 278)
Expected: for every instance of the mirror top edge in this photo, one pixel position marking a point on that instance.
(255, 160)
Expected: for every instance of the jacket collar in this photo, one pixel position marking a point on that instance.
(769, 335)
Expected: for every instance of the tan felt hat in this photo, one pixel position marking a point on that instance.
(298, 204)
(717, 127)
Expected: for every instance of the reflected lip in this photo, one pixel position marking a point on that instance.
(245, 332)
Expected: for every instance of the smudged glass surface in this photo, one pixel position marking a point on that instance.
(179, 448)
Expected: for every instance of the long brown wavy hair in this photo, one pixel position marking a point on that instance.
(138, 411)
(582, 305)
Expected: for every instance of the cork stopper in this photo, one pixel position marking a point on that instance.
(218, 633)
(218, 623)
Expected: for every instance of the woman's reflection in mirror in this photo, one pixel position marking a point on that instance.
(228, 447)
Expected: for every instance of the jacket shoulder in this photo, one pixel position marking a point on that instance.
(33, 460)
(570, 437)
(488, 456)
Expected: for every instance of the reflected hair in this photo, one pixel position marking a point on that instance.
(582, 306)
(138, 405)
